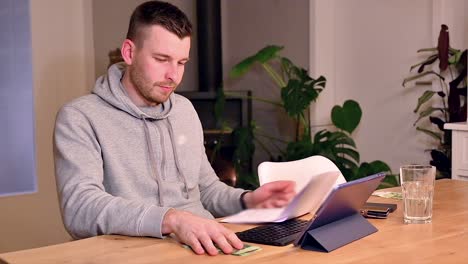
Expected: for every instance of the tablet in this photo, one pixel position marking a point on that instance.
(345, 200)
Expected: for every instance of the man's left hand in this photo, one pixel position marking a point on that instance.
(270, 195)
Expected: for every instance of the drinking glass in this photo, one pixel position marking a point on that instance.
(417, 184)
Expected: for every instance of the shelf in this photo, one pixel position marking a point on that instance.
(457, 126)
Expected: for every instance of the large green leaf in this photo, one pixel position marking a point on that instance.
(243, 138)
(242, 67)
(345, 162)
(321, 135)
(319, 82)
(297, 97)
(299, 149)
(333, 138)
(379, 166)
(347, 117)
(442, 162)
(427, 95)
(438, 122)
(346, 141)
(390, 180)
(366, 169)
(338, 147)
(420, 75)
(349, 152)
(299, 93)
(287, 67)
(262, 56)
(431, 59)
(454, 59)
(337, 137)
(428, 111)
(268, 53)
(433, 134)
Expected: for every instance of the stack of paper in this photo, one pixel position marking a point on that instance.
(315, 177)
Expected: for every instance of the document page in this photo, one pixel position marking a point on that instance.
(252, 216)
(299, 171)
(307, 200)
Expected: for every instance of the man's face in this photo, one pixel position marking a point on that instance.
(158, 64)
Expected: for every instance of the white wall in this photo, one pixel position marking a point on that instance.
(62, 69)
(453, 14)
(365, 48)
(248, 26)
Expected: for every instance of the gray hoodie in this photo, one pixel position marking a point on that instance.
(120, 168)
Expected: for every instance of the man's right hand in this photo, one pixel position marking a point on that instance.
(199, 233)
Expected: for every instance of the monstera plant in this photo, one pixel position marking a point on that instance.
(446, 104)
(298, 91)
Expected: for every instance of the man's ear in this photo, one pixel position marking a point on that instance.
(128, 51)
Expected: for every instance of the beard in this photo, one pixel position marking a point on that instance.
(151, 91)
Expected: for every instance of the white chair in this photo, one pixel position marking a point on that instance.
(299, 171)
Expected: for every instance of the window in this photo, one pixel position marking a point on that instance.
(17, 149)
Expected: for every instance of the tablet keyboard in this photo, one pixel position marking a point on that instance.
(276, 234)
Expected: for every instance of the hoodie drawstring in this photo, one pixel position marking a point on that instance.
(153, 162)
(176, 158)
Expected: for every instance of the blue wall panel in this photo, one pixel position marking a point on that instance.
(17, 149)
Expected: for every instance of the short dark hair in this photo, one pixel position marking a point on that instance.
(158, 13)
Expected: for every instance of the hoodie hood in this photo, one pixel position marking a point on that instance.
(110, 88)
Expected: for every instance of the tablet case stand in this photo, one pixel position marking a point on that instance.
(338, 233)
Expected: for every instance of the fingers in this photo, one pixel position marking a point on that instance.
(276, 200)
(204, 243)
(222, 243)
(273, 203)
(225, 240)
(203, 234)
(290, 187)
(281, 186)
(288, 196)
(208, 245)
(233, 239)
(195, 245)
(280, 202)
(280, 190)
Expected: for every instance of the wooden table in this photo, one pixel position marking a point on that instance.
(445, 240)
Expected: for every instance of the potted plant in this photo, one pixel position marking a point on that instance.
(447, 104)
(298, 91)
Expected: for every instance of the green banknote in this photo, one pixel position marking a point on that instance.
(245, 251)
(392, 195)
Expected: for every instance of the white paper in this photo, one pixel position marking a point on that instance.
(299, 171)
(307, 200)
(252, 216)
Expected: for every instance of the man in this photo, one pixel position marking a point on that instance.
(130, 158)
